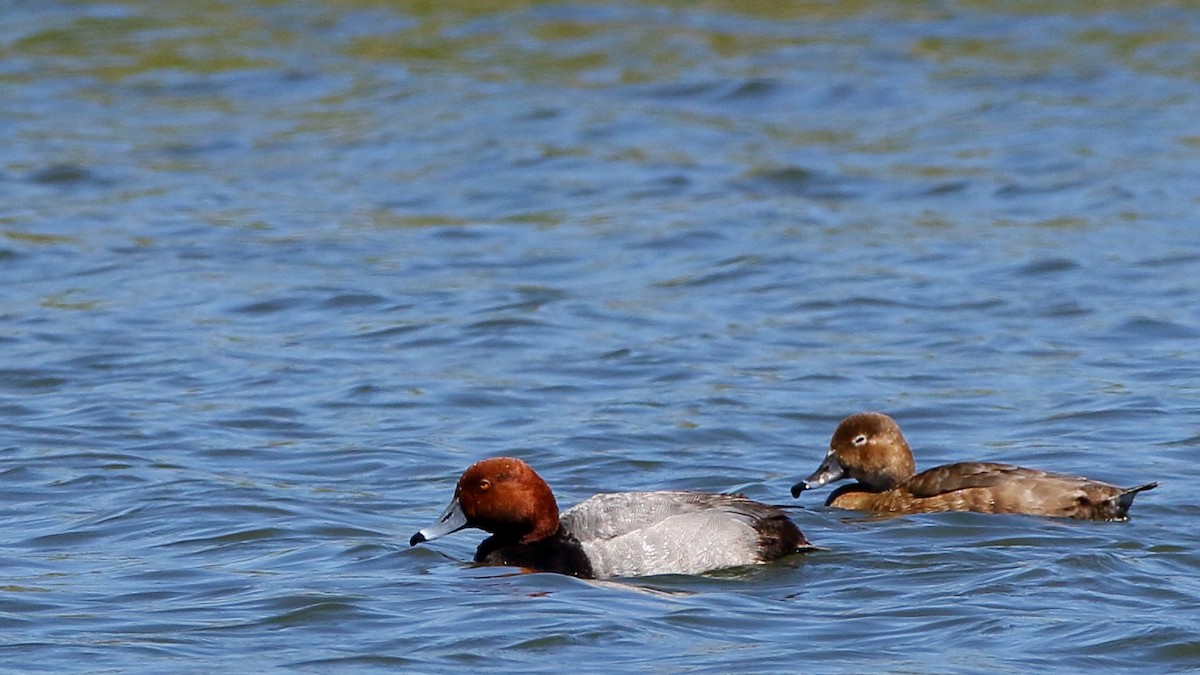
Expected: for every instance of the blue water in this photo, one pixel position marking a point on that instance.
(273, 274)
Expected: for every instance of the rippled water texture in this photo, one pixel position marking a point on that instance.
(273, 273)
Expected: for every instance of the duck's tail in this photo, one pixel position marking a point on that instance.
(1125, 499)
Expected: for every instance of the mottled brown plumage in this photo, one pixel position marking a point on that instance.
(870, 448)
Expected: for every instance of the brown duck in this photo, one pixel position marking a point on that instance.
(870, 448)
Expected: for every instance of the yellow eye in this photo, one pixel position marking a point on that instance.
(485, 485)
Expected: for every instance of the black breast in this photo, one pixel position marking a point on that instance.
(561, 554)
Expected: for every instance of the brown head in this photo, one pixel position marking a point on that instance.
(867, 447)
(501, 495)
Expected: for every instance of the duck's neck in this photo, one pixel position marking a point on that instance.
(888, 471)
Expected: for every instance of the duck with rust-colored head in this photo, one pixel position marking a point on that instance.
(621, 534)
(870, 448)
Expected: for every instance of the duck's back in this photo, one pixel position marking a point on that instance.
(1003, 488)
(675, 532)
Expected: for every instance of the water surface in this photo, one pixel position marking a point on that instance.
(275, 273)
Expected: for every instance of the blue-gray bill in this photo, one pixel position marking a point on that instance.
(452, 520)
(829, 471)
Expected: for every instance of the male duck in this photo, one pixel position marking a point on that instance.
(622, 534)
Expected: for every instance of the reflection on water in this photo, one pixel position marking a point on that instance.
(275, 272)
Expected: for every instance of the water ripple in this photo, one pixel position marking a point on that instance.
(271, 283)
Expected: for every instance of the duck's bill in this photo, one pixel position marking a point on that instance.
(829, 472)
(452, 520)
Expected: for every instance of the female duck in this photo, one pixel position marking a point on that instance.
(621, 534)
(870, 448)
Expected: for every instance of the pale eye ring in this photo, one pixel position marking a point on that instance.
(860, 439)
(485, 485)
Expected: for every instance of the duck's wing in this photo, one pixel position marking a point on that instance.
(1014, 489)
(964, 475)
(671, 532)
(609, 515)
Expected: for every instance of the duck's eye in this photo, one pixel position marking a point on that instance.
(860, 439)
(485, 485)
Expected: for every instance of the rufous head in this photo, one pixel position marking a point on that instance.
(500, 495)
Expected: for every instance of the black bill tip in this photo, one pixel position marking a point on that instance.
(416, 539)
